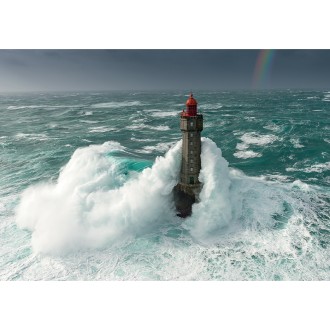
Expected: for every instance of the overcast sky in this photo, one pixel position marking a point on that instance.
(76, 70)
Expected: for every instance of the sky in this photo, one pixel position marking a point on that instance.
(218, 69)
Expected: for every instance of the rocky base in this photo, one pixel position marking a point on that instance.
(184, 198)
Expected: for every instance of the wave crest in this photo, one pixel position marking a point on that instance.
(93, 203)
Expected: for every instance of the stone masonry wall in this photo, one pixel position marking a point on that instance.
(191, 128)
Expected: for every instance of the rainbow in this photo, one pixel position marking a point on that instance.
(262, 68)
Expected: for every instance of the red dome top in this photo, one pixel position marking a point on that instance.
(191, 100)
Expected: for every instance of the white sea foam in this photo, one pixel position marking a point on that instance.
(142, 140)
(48, 107)
(152, 110)
(242, 228)
(242, 146)
(213, 212)
(210, 106)
(275, 177)
(317, 168)
(252, 139)
(88, 121)
(161, 128)
(273, 127)
(163, 114)
(247, 154)
(142, 126)
(115, 105)
(250, 118)
(52, 125)
(101, 129)
(208, 124)
(296, 143)
(139, 120)
(2, 207)
(258, 139)
(161, 147)
(86, 113)
(36, 137)
(91, 205)
(301, 185)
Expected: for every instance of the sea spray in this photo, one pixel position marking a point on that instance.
(213, 212)
(91, 204)
(239, 223)
(94, 203)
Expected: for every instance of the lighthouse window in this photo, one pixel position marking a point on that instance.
(191, 151)
(191, 143)
(191, 134)
(191, 161)
(191, 180)
(191, 169)
(191, 124)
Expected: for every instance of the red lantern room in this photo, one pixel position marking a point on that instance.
(191, 106)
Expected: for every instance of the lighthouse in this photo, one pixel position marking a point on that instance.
(187, 190)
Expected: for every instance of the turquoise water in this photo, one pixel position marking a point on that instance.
(86, 180)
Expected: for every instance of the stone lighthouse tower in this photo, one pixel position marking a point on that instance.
(187, 190)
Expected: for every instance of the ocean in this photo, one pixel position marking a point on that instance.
(86, 185)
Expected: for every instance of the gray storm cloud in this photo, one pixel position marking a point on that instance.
(67, 70)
